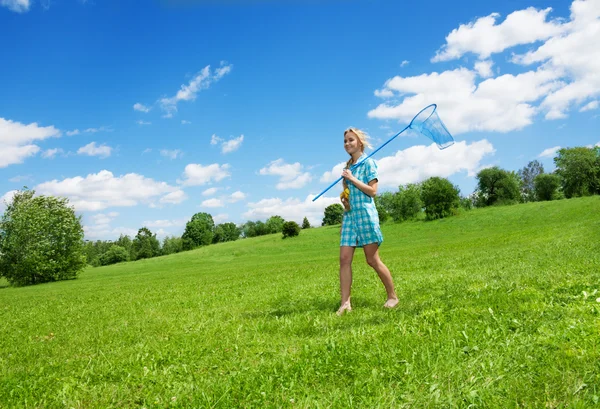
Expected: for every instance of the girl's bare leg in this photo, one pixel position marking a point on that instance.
(372, 256)
(346, 256)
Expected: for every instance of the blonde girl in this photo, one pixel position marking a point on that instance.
(360, 225)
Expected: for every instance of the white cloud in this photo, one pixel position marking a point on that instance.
(421, 162)
(291, 209)
(16, 140)
(103, 190)
(404, 63)
(165, 223)
(91, 149)
(212, 203)
(549, 153)
(171, 154)
(484, 37)
(196, 174)
(214, 139)
(291, 176)
(6, 199)
(232, 144)
(203, 80)
(175, 197)
(73, 132)
(18, 6)
(140, 122)
(141, 107)
(499, 104)
(484, 68)
(184, 122)
(237, 196)
(221, 218)
(96, 130)
(51, 153)
(589, 106)
(210, 191)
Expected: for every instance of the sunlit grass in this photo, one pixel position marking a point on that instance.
(500, 308)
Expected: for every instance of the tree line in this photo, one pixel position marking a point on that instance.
(42, 239)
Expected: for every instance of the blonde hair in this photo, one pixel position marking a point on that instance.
(364, 140)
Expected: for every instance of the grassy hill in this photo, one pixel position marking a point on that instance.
(500, 308)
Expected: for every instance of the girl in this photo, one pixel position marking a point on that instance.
(360, 225)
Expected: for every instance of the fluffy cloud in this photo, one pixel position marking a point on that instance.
(421, 162)
(203, 80)
(141, 107)
(103, 190)
(16, 140)
(171, 154)
(549, 153)
(291, 176)
(212, 203)
(91, 149)
(590, 106)
(175, 197)
(291, 209)
(232, 144)
(51, 153)
(18, 6)
(237, 196)
(196, 174)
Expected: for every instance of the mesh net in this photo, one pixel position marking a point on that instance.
(428, 123)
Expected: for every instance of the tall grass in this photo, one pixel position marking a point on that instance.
(500, 308)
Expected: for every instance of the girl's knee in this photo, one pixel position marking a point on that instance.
(373, 261)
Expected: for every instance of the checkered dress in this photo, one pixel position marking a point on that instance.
(360, 225)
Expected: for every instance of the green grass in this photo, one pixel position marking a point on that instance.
(500, 308)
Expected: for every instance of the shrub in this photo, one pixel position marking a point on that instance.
(115, 254)
(440, 198)
(290, 229)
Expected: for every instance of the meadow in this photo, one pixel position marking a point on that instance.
(499, 308)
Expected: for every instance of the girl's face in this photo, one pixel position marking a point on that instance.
(352, 143)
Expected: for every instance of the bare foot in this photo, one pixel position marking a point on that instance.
(346, 307)
(391, 303)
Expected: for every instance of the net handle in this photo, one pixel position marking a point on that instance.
(378, 149)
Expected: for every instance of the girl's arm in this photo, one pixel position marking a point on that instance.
(369, 189)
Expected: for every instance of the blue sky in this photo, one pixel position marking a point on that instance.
(144, 113)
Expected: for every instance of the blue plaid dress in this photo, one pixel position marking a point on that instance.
(360, 225)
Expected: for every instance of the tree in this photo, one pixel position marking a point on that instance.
(383, 204)
(305, 224)
(226, 232)
(275, 224)
(254, 229)
(497, 186)
(579, 169)
(546, 186)
(125, 242)
(407, 203)
(115, 254)
(41, 240)
(199, 231)
(290, 229)
(528, 175)
(440, 198)
(172, 244)
(145, 244)
(333, 215)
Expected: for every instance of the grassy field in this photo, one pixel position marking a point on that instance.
(500, 308)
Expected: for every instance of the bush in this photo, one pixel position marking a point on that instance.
(333, 215)
(407, 203)
(440, 198)
(115, 254)
(41, 240)
(546, 186)
(290, 229)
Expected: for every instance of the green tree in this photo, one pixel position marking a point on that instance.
(528, 175)
(125, 242)
(383, 204)
(226, 232)
(172, 244)
(333, 215)
(440, 198)
(497, 186)
(199, 231)
(275, 224)
(145, 244)
(41, 240)
(546, 186)
(290, 229)
(407, 202)
(579, 170)
(115, 254)
(305, 223)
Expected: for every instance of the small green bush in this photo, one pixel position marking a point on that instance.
(290, 229)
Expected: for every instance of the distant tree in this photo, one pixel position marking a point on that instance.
(407, 203)
(579, 170)
(199, 231)
(226, 232)
(305, 224)
(254, 229)
(125, 242)
(290, 229)
(546, 186)
(171, 245)
(275, 224)
(440, 198)
(528, 175)
(497, 186)
(333, 215)
(115, 254)
(383, 204)
(41, 240)
(145, 244)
